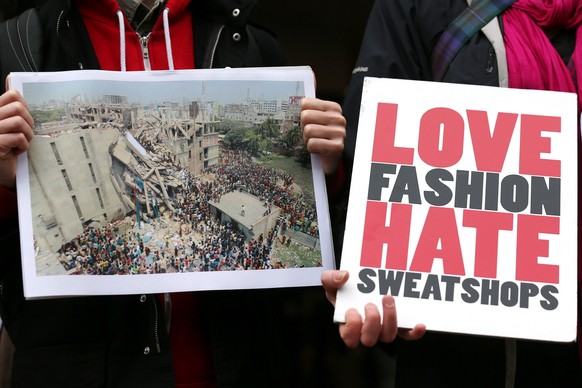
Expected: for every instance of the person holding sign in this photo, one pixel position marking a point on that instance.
(526, 44)
(178, 340)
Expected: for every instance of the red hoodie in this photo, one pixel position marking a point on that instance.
(191, 352)
(101, 20)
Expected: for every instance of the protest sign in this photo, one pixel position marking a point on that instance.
(463, 206)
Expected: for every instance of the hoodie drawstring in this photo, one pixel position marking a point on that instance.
(121, 40)
(168, 40)
(122, 54)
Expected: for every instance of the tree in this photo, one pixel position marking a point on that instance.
(235, 138)
(269, 130)
(304, 157)
(226, 126)
(43, 116)
(293, 137)
(254, 142)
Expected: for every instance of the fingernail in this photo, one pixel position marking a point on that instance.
(352, 314)
(389, 302)
(339, 276)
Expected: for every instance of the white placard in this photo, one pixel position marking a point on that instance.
(463, 206)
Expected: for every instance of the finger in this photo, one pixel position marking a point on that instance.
(329, 151)
(309, 103)
(389, 321)
(351, 330)
(16, 105)
(12, 143)
(332, 280)
(371, 326)
(325, 146)
(413, 334)
(325, 131)
(11, 96)
(14, 117)
(312, 116)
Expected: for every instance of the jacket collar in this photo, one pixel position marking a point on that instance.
(228, 12)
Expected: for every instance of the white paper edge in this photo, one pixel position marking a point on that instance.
(36, 287)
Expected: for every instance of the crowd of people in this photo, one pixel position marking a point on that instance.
(237, 171)
(192, 238)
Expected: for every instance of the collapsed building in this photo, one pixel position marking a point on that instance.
(107, 159)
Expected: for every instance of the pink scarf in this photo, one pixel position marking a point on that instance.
(532, 61)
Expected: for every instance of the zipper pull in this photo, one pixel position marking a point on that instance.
(144, 40)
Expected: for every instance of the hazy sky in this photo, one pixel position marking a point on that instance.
(231, 91)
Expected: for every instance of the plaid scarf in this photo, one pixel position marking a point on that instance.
(467, 24)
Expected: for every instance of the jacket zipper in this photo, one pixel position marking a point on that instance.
(145, 52)
(144, 41)
(156, 326)
(58, 32)
(215, 46)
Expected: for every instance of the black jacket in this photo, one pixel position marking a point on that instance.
(120, 341)
(397, 43)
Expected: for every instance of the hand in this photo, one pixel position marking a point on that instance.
(324, 131)
(16, 125)
(373, 329)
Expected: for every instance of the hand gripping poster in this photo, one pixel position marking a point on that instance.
(463, 206)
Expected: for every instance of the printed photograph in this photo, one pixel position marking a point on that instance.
(145, 178)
